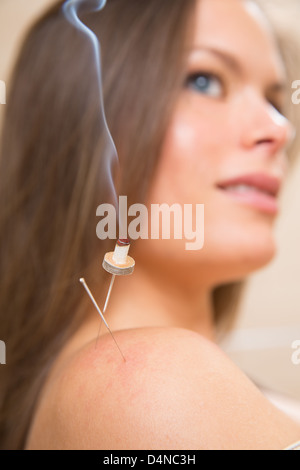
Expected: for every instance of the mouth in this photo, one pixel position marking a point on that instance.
(260, 191)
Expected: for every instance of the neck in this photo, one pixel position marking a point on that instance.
(147, 300)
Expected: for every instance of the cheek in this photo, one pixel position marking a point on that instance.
(186, 166)
(200, 143)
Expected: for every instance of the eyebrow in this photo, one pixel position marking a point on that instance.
(228, 59)
(233, 64)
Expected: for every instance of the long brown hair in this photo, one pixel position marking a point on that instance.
(52, 175)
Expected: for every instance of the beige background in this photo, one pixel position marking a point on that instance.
(270, 313)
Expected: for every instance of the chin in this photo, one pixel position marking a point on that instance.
(246, 260)
(239, 252)
(258, 259)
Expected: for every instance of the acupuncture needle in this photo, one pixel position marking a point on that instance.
(83, 282)
(109, 292)
(106, 303)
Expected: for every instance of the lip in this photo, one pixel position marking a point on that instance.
(262, 195)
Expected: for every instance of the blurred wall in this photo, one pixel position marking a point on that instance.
(15, 17)
(270, 313)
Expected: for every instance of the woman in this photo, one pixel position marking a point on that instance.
(194, 104)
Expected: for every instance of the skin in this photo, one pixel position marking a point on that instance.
(177, 390)
(231, 128)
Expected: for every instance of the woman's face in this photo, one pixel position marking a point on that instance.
(225, 146)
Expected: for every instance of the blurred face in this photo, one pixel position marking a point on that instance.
(225, 147)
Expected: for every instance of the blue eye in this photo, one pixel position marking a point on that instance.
(206, 84)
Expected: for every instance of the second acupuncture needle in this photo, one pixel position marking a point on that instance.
(100, 313)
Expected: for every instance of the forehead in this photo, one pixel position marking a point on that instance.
(239, 28)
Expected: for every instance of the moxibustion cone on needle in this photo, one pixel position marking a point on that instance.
(118, 262)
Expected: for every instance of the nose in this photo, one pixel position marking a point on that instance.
(263, 125)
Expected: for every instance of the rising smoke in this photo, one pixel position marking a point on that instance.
(72, 9)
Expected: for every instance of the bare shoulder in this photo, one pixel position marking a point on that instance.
(176, 390)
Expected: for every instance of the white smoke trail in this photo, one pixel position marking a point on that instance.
(71, 10)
